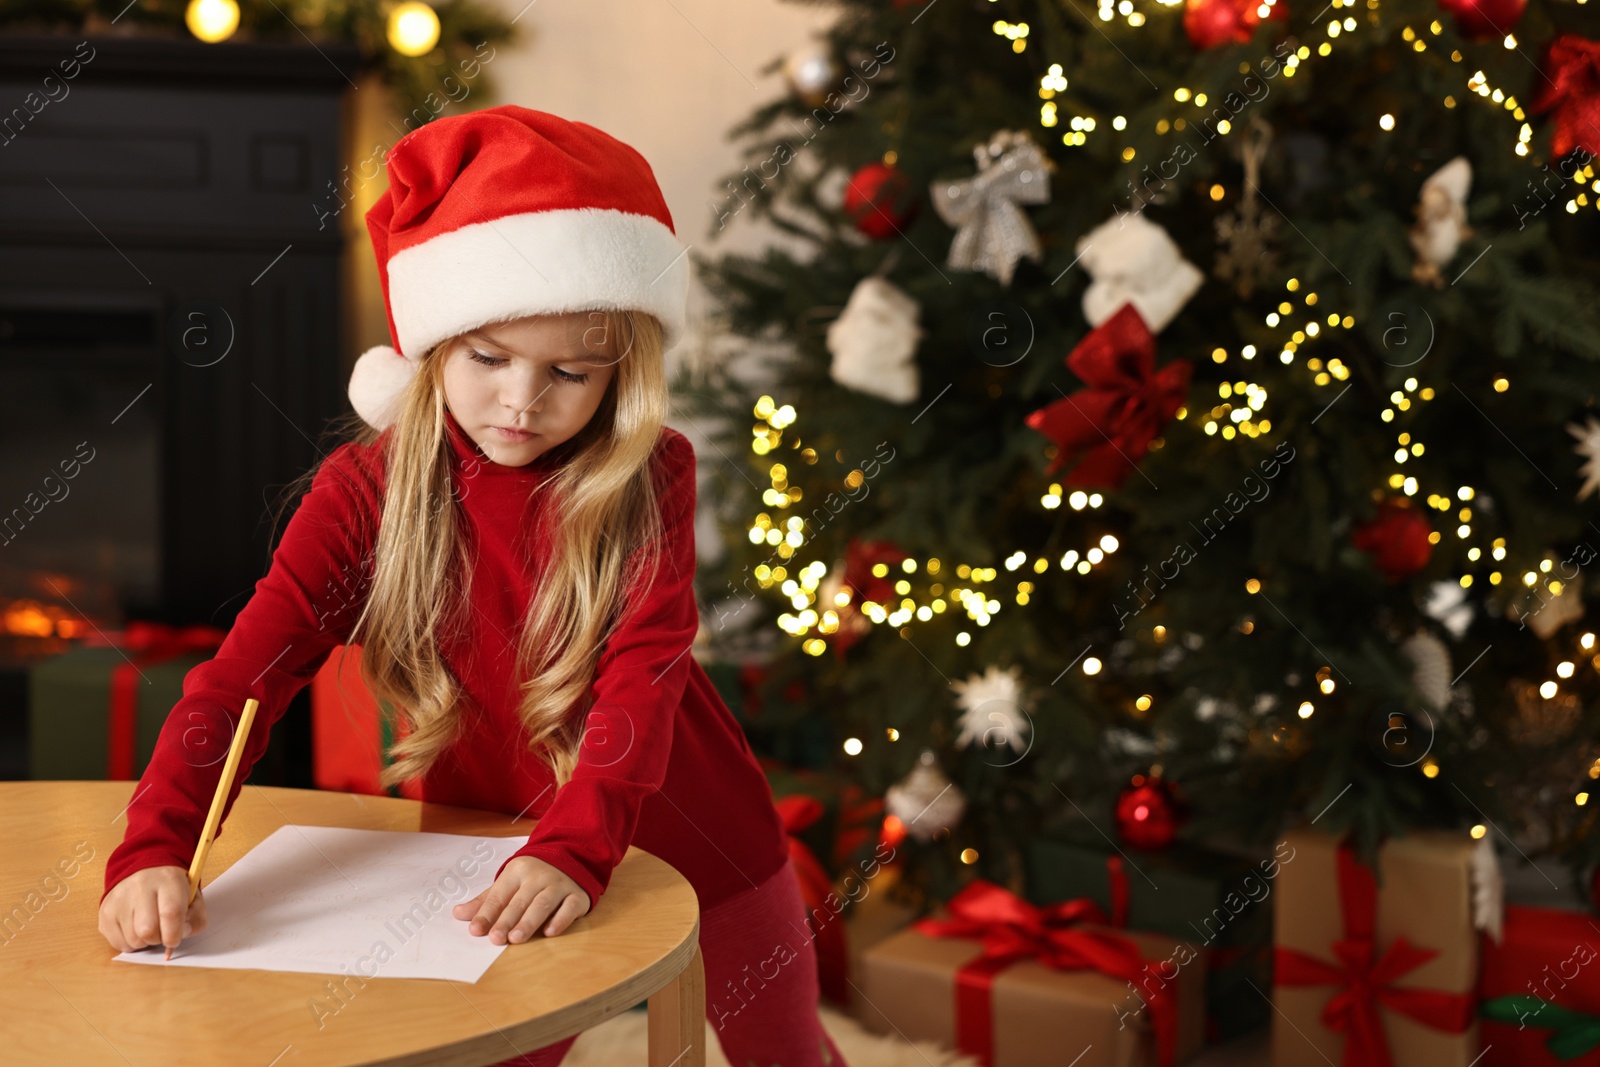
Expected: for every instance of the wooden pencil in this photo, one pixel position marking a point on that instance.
(214, 816)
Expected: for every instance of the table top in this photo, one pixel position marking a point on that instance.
(69, 1001)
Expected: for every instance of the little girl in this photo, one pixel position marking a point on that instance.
(510, 541)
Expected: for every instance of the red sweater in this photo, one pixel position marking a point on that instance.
(664, 766)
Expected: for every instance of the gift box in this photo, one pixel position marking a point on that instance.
(878, 906)
(1209, 898)
(351, 730)
(96, 710)
(1375, 966)
(1017, 985)
(846, 823)
(1540, 990)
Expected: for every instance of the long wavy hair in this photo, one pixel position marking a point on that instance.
(604, 525)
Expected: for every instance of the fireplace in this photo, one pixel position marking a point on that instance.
(172, 344)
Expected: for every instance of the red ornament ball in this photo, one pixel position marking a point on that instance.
(1484, 19)
(1148, 813)
(879, 200)
(1210, 23)
(1397, 539)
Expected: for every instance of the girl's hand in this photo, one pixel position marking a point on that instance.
(528, 892)
(148, 908)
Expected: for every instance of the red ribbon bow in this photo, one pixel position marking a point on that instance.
(1365, 977)
(147, 644)
(1013, 930)
(797, 813)
(1112, 422)
(1571, 86)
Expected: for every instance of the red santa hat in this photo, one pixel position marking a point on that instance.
(507, 212)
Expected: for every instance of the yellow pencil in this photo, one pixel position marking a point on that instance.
(214, 817)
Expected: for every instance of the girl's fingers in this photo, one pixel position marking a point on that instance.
(527, 910)
(144, 928)
(171, 911)
(570, 911)
(496, 899)
(197, 914)
(468, 908)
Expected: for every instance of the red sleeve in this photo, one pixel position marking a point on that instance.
(639, 683)
(305, 606)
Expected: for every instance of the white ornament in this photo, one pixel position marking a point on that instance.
(1588, 436)
(1441, 219)
(992, 709)
(811, 72)
(1488, 890)
(1131, 259)
(1430, 667)
(992, 233)
(925, 801)
(874, 342)
(1447, 602)
(830, 188)
(1124, 742)
(1543, 612)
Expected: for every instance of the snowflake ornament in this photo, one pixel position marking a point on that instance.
(991, 709)
(1589, 448)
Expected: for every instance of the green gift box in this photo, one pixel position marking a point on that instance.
(1206, 897)
(69, 712)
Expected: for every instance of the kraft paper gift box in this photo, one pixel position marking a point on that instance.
(1375, 974)
(1031, 1014)
(95, 711)
(1200, 895)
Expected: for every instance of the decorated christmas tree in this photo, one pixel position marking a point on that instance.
(1181, 420)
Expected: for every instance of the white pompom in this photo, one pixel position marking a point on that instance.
(379, 377)
(1131, 259)
(874, 341)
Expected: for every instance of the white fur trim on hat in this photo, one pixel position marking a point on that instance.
(379, 377)
(537, 263)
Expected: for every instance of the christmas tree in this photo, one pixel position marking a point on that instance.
(1190, 405)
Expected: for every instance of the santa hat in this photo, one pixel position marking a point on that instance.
(507, 212)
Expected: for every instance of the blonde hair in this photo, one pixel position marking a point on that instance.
(604, 528)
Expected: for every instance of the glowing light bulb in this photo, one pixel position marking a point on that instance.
(414, 30)
(212, 20)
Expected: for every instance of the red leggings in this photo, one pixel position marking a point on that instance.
(761, 982)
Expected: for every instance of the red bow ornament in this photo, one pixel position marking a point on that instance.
(1109, 424)
(1365, 977)
(1013, 930)
(1571, 87)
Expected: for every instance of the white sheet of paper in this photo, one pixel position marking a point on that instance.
(333, 900)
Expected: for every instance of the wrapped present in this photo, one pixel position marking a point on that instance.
(827, 928)
(880, 905)
(1540, 990)
(96, 710)
(846, 828)
(1220, 901)
(1017, 985)
(1369, 975)
(351, 730)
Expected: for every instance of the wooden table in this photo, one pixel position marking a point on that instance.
(67, 1001)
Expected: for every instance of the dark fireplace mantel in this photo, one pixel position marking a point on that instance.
(171, 303)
